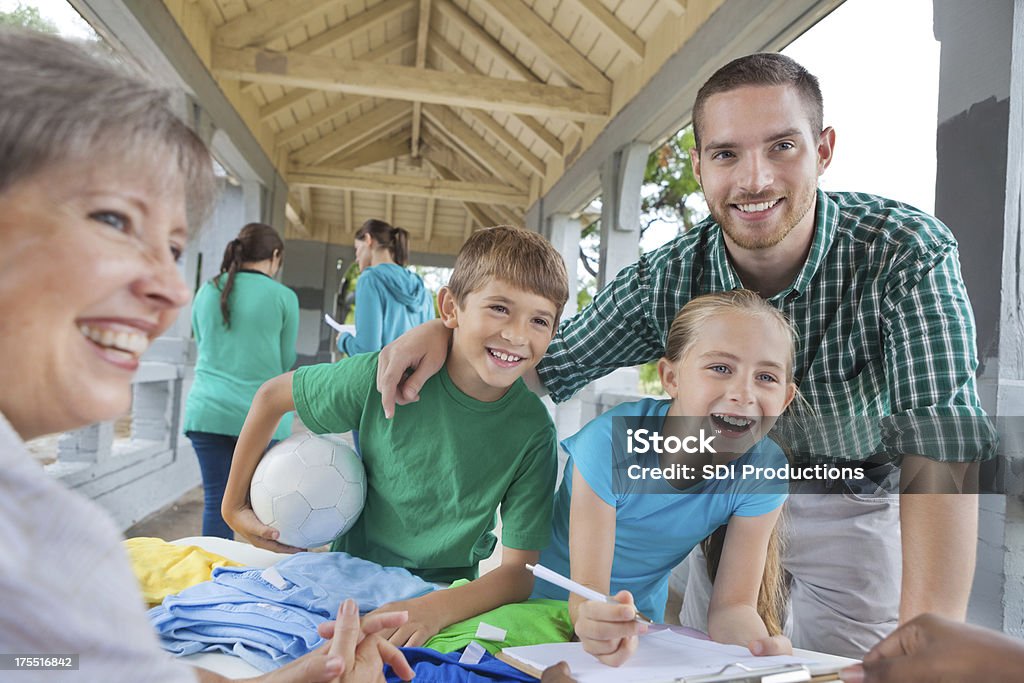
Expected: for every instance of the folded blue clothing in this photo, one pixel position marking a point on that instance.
(260, 656)
(269, 617)
(433, 667)
(316, 581)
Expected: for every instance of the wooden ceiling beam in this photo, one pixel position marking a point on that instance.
(518, 17)
(465, 23)
(376, 150)
(511, 141)
(422, 36)
(413, 186)
(352, 27)
(468, 139)
(293, 97)
(628, 41)
(347, 137)
(483, 215)
(297, 217)
(489, 44)
(441, 47)
(428, 221)
(268, 21)
(676, 7)
(446, 50)
(408, 83)
(442, 152)
(344, 105)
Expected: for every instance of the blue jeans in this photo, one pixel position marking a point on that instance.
(214, 452)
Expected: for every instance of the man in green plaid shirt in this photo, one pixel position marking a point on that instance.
(885, 329)
(884, 325)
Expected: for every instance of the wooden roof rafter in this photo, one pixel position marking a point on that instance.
(517, 16)
(409, 185)
(408, 83)
(422, 36)
(382, 53)
(448, 52)
(463, 135)
(490, 44)
(365, 127)
(382, 148)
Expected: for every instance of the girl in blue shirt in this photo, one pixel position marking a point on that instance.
(728, 371)
(390, 299)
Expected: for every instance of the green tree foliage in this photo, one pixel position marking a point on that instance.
(671, 194)
(27, 17)
(669, 183)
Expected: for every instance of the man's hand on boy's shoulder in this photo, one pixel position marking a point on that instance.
(425, 621)
(421, 351)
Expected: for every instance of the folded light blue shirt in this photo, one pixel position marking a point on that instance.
(269, 617)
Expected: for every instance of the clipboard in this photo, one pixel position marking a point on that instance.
(734, 673)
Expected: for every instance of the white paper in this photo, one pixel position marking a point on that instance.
(351, 329)
(488, 632)
(662, 655)
(473, 653)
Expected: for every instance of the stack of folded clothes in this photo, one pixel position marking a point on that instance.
(268, 617)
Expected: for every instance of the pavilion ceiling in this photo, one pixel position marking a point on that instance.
(440, 116)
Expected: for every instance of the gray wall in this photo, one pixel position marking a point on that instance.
(970, 183)
(974, 136)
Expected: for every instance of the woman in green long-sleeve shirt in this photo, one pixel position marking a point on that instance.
(245, 325)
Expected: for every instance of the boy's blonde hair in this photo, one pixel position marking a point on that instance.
(685, 329)
(522, 258)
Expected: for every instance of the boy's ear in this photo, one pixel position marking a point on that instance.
(448, 307)
(669, 377)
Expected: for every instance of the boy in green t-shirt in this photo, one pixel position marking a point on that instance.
(478, 438)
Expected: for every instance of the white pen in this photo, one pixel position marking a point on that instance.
(545, 574)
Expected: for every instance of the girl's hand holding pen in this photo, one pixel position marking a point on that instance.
(609, 631)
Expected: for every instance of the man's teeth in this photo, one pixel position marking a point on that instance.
(131, 342)
(735, 421)
(760, 206)
(507, 357)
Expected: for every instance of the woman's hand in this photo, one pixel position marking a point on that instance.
(423, 350)
(609, 632)
(247, 525)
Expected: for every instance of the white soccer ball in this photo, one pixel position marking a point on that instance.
(310, 488)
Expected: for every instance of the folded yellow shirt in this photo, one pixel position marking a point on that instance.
(164, 569)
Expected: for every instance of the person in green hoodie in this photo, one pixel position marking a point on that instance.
(245, 325)
(390, 300)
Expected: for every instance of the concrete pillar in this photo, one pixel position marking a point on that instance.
(252, 203)
(151, 411)
(90, 444)
(621, 178)
(979, 193)
(564, 233)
